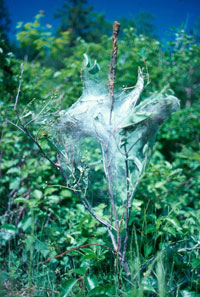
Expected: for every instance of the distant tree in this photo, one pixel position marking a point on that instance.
(80, 19)
(195, 31)
(4, 21)
(6, 57)
(144, 24)
(126, 23)
(34, 39)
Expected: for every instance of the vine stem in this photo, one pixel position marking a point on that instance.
(77, 248)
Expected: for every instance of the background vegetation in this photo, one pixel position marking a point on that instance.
(41, 219)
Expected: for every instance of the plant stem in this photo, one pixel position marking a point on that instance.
(31, 253)
(127, 203)
(113, 64)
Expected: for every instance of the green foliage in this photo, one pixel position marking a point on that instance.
(35, 40)
(41, 218)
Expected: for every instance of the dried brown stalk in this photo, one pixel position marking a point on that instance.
(113, 64)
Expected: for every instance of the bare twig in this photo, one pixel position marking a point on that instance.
(15, 125)
(19, 87)
(113, 64)
(77, 248)
(89, 208)
(27, 133)
(195, 247)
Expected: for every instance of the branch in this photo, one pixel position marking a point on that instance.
(16, 126)
(127, 203)
(27, 133)
(129, 199)
(113, 208)
(89, 208)
(19, 87)
(195, 247)
(78, 248)
(23, 127)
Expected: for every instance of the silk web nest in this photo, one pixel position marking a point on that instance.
(100, 157)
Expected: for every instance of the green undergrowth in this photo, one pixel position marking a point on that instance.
(44, 219)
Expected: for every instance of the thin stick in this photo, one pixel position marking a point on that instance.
(19, 87)
(89, 208)
(128, 211)
(113, 64)
(28, 134)
(23, 127)
(111, 197)
(127, 202)
(78, 248)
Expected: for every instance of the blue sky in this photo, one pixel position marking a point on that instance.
(167, 13)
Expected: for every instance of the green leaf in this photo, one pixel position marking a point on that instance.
(159, 185)
(42, 248)
(9, 227)
(68, 286)
(96, 292)
(175, 223)
(66, 193)
(95, 68)
(37, 194)
(102, 291)
(137, 204)
(14, 170)
(150, 229)
(27, 222)
(6, 234)
(86, 61)
(91, 282)
(147, 250)
(110, 290)
(15, 184)
(29, 242)
(186, 293)
(137, 162)
(170, 230)
(50, 190)
(57, 73)
(81, 270)
(148, 288)
(89, 254)
(21, 200)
